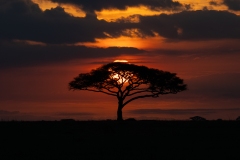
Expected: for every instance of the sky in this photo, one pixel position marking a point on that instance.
(44, 44)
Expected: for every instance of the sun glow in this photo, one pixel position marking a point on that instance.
(120, 79)
(136, 42)
(121, 60)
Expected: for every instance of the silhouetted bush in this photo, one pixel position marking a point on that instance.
(197, 118)
(130, 119)
(238, 118)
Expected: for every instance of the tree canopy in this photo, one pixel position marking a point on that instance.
(128, 82)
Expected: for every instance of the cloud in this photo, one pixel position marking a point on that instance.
(201, 48)
(6, 113)
(23, 20)
(96, 5)
(181, 111)
(214, 3)
(9, 115)
(18, 7)
(170, 111)
(16, 115)
(21, 54)
(232, 4)
(74, 114)
(192, 25)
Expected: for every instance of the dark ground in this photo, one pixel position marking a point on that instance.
(114, 140)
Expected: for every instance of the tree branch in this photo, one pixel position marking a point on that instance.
(108, 89)
(101, 92)
(134, 98)
(131, 87)
(141, 91)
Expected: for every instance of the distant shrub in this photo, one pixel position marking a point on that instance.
(130, 119)
(197, 118)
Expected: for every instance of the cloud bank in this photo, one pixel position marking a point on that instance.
(55, 31)
(21, 54)
(24, 20)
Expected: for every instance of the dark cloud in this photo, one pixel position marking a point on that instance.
(172, 111)
(50, 117)
(181, 111)
(232, 4)
(96, 5)
(188, 6)
(214, 49)
(74, 114)
(22, 19)
(214, 3)
(192, 25)
(18, 7)
(9, 115)
(20, 54)
(5, 113)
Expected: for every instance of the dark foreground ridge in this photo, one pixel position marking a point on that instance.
(72, 140)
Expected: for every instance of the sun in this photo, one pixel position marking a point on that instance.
(121, 60)
(120, 79)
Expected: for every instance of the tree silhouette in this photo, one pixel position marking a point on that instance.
(128, 82)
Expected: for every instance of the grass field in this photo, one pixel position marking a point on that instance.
(120, 140)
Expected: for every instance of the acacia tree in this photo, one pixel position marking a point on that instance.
(128, 82)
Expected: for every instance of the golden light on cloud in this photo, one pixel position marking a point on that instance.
(121, 60)
(72, 10)
(115, 42)
(112, 15)
(45, 4)
(148, 43)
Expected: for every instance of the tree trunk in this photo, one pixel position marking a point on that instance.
(119, 111)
